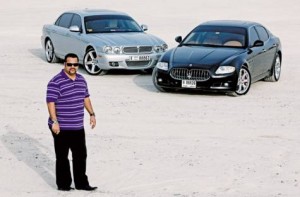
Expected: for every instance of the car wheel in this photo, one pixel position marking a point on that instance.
(90, 63)
(49, 52)
(154, 79)
(244, 81)
(276, 70)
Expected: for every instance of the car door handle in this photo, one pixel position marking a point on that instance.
(264, 50)
(274, 45)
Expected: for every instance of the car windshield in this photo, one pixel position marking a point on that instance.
(110, 24)
(216, 36)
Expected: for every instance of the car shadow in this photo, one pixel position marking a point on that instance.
(39, 53)
(114, 72)
(30, 151)
(145, 81)
(123, 72)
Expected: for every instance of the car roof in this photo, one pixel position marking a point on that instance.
(231, 23)
(93, 12)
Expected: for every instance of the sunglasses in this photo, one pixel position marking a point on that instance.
(72, 64)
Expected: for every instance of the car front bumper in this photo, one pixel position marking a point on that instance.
(129, 62)
(222, 83)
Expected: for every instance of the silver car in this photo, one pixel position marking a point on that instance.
(103, 40)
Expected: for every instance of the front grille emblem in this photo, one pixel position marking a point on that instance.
(190, 65)
(189, 74)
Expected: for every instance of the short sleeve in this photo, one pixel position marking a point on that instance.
(52, 92)
(87, 94)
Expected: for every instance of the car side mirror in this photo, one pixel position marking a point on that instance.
(178, 39)
(74, 28)
(258, 43)
(144, 27)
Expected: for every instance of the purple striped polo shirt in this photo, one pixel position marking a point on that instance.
(68, 96)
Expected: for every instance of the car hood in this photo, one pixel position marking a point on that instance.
(202, 56)
(127, 39)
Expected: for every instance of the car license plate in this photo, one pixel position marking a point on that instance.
(140, 58)
(188, 84)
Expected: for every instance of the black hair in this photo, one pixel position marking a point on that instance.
(72, 55)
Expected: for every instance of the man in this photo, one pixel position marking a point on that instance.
(67, 96)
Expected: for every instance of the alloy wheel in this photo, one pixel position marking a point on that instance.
(91, 63)
(244, 81)
(49, 51)
(277, 68)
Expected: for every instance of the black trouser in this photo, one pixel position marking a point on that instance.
(74, 140)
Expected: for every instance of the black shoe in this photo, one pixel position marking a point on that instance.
(87, 188)
(65, 188)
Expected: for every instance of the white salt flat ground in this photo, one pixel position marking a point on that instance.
(148, 143)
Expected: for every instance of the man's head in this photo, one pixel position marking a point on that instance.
(71, 64)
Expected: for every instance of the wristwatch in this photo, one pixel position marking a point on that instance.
(55, 121)
(92, 114)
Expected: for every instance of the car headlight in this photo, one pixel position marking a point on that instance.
(225, 69)
(164, 47)
(112, 49)
(160, 48)
(117, 50)
(157, 49)
(107, 49)
(162, 65)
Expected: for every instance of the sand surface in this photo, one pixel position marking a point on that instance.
(149, 143)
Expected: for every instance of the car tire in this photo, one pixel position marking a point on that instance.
(154, 79)
(276, 70)
(49, 52)
(90, 63)
(243, 82)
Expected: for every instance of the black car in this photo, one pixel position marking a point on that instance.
(220, 56)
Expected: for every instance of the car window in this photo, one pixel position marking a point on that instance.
(76, 20)
(57, 21)
(65, 20)
(110, 23)
(217, 36)
(253, 36)
(262, 33)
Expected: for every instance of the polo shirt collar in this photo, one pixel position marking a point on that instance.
(64, 75)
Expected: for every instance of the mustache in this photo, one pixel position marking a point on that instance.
(70, 71)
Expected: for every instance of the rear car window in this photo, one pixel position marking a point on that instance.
(65, 20)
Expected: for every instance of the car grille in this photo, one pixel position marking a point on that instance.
(137, 49)
(137, 63)
(190, 74)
